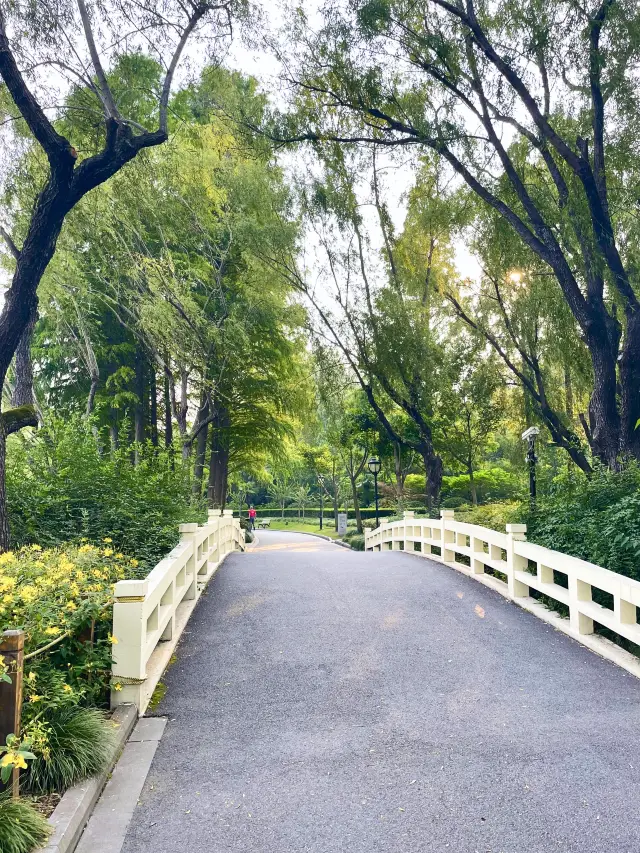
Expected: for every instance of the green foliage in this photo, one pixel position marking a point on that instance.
(62, 599)
(356, 540)
(61, 488)
(596, 519)
(22, 828)
(493, 515)
(73, 743)
(492, 484)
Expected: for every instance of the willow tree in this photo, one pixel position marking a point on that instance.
(498, 90)
(43, 42)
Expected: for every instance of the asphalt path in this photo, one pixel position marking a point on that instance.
(327, 700)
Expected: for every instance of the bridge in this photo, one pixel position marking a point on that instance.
(327, 700)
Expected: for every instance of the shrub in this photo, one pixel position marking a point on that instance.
(62, 599)
(495, 515)
(22, 828)
(596, 519)
(71, 744)
(356, 540)
(492, 484)
(61, 488)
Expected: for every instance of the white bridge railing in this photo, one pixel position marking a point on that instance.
(149, 615)
(517, 567)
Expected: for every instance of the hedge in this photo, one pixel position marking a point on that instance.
(314, 512)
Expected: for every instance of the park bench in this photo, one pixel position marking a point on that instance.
(263, 523)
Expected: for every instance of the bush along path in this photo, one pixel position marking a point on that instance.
(61, 599)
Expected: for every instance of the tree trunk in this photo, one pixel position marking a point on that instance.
(603, 407)
(201, 450)
(630, 386)
(91, 399)
(219, 461)
(138, 421)
(397, 462)
(23, 367)
(168, 420)
(356, 503)
(153, 407)
(433, 477)
(472, 485)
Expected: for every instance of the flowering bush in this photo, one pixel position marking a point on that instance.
(62, 599)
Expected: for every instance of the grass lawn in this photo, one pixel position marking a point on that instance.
(309, 526)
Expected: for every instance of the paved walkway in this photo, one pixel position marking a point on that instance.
(326, 700)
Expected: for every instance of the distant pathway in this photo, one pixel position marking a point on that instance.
(326, 700)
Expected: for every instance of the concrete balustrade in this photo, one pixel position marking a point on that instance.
(149, 615)
(517, 567)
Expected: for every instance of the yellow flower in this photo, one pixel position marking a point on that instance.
(119, 555)
(72, 606)
(134, 563)
(53, 631)
(7, 557)
(13, 759)
(35, 548)
(113, 640)
(108, 552)
(117, 686)
(34, 697)
(67, 688)
(84, 548)
(31, 677)
(107, 539)
(28, 593)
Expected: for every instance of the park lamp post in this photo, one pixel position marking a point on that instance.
(529, 435)
(321, 481)
(374, 466)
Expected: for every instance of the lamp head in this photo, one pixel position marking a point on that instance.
(532, 432)
(374, 465)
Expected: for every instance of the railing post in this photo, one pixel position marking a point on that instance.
(448, 536)
(130, 633)
(515, 533)
(579, 591)
(229, 544)
(12, 649)
(408, 516)
(213, 522)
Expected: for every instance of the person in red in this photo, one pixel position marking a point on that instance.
(252, 518)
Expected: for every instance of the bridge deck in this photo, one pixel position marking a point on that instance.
(325, 700)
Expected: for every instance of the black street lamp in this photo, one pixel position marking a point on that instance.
(529, 435)
(321, 481)
(374, 466)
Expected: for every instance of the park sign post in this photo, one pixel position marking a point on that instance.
(342, 523)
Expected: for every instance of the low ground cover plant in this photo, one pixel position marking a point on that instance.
(22, 828)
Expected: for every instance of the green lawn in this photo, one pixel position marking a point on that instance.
(309, 526)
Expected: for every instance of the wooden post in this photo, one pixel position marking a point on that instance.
(12, 648)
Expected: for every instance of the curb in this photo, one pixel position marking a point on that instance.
(251, 545)
(70, 816)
